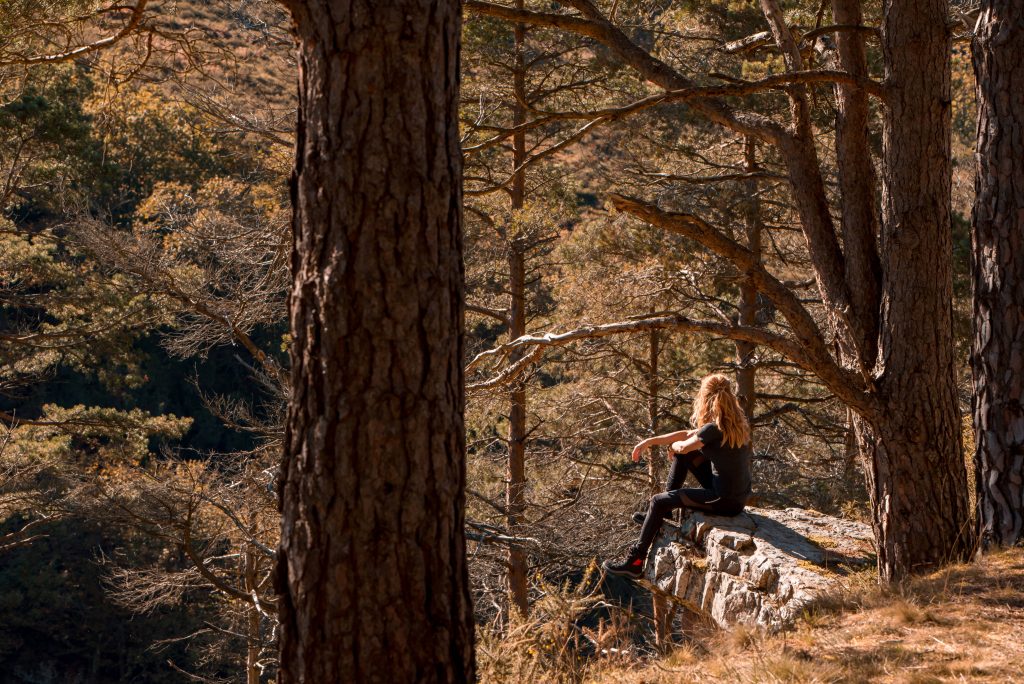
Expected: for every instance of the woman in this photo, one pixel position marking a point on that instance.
(717, 451)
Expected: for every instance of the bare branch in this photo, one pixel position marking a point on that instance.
(21, 537)
(751, 42)
(764, 38)
(133, 23)
(492, 535)
(673, 321)
(208, 575)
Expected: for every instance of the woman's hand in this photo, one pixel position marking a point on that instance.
(677, 447)
(638, 450)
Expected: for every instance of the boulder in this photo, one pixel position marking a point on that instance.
(761, 568)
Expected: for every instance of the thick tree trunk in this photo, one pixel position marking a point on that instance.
(372, 566)
(997, 355)
(515, 492)
(916, 477)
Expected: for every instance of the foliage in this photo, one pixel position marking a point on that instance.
(139, 247)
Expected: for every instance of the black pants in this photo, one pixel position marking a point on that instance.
(703, 499)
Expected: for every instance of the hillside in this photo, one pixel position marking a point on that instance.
(963, 623)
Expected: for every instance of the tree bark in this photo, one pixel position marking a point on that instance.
(252, 616)
(654, 469)
(515, 488)
(515, 492)
(752, 226)
(997, 354)
(371, 568)
(857, 184)
(916, 474)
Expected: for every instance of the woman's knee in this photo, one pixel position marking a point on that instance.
(662, 503)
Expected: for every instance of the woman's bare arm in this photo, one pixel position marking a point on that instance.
(661, 440)
(669, 437)
(685, 446)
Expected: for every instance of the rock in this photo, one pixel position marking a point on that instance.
(761, 568)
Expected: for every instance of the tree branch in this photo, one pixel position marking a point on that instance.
(596, 26)
(763, 38)
(751, 42)
(200, 565)
(814, 354)
(137, 12)
(491, 535)
(735, 88)
(21, 537)
(672, 321)
(762, 418)
(484, 311)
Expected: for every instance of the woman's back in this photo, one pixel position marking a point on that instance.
(730, 465)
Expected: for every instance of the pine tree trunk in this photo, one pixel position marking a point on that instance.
(916, 473)
(997, 355)
(515, 488)
(515, 492)
(752, 227)
(655, 475)
(371, 572)
(252, 617)
(857, 183)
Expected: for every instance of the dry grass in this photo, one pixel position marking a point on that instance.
(962, 624)
(553, 644)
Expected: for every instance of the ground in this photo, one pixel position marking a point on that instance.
(964, 623)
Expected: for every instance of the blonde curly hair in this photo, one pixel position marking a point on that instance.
(716, 403)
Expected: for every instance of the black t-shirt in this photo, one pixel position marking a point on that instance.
(730, 466)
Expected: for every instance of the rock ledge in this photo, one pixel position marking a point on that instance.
(760, 568)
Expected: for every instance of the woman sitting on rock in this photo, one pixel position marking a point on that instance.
(717, 451)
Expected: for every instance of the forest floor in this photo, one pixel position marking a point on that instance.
(964, 623)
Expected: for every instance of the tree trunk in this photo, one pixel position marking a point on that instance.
(252, 616)
(654, 469)
(857, 184)
(515, 504)
(515, 493)
(997, 354)
(752, 226)
(372, 566)
(916, 474)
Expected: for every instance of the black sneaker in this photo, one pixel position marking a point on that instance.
(639, 517)
(633, 566)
